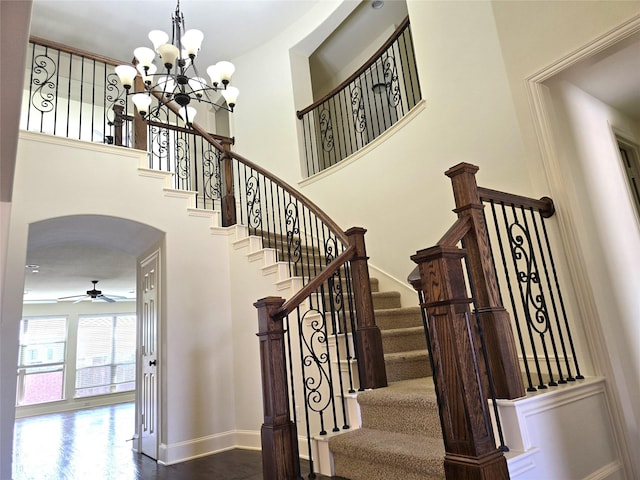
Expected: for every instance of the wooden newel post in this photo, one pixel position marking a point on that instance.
(459, 370)
(371, 367)
(495, 321)
(278, 433)
(228, 198)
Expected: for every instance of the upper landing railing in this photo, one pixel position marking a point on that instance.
(364, 106)
(309, 343)
(469, 333)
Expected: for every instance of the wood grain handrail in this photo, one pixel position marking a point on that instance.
(394, 36)
(544, 205)
(456, 233)
(315, 283)
(74, 51)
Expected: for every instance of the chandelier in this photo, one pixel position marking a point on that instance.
(177, 78)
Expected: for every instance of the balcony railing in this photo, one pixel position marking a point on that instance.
(364, 106)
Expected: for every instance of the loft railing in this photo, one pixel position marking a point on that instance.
(474, 352)
(71, 93)
(316, 347)
(364, 106)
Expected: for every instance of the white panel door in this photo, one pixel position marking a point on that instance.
(148, 351)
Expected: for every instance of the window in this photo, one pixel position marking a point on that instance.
(106, 355)
(630, 161)
(41, 364)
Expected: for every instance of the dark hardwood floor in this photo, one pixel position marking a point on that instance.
(95, 444)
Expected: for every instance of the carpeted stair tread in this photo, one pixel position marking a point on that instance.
(413, 403)
(389, 455)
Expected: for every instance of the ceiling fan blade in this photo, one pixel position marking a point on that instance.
(81, 299)
(106, 299)
(70, 297)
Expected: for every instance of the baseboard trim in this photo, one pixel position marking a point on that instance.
(170, 454)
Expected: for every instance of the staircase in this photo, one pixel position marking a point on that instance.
(400, 435)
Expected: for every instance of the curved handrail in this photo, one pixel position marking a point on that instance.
(394, 36)
(334, 227)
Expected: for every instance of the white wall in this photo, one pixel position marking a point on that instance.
(607, 227)
(52, 176)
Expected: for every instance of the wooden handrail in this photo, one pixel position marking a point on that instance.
(394, 36)
(544, 205)
(315, 283)
(74, 51)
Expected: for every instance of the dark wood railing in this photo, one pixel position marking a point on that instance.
(309, 344)
(363, 106)
(474, 352)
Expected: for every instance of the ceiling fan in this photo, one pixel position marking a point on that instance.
(93, 294)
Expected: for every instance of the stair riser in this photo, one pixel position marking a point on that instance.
(358, 469)
(403, 343)
(393, 319)
(407, 369)
(413, 420)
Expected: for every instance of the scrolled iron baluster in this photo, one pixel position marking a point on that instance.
(211, 171)
(294, 249)
(326, 130)
(44, 69)
(522, 251)
(115, 94)
(182, 163)
(391, 81)
(317, 382)
(254, 213)
(357, 109)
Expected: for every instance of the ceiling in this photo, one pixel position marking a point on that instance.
(72, 251)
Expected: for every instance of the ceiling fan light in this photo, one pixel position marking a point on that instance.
(168, 53)
(191, 42)
(158, 37)
(226, 69)
(126, 74)
(142, 101)
(144, 56)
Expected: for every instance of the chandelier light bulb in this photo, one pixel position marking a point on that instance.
(142, 101)
(214, 73)
(168, 53)
(191, 42)
(187, 114)
(226, 69)
(158, 37)
(144, 56)
(230, 94)
(126, 74)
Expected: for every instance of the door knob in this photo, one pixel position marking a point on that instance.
(152, 363)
